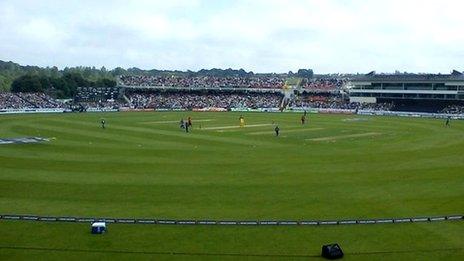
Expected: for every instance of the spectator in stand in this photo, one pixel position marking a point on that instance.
(101, 105)
(189, 100)
(337, 103)
(323, 85)
(12, 101)
(453, 109)
(201, 82)
(193, 100)
(29, 101)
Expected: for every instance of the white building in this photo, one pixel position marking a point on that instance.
(374, 87)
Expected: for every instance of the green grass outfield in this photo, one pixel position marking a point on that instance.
(144, 166)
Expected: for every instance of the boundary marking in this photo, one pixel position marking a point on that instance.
(155, 221)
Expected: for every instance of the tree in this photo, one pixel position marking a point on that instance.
(105, 82)
(76, 79)
(27, 83)
(4, 83)
(305, 73)
(118, 71)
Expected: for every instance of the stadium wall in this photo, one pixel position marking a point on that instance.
(363, 99)
(411, 114)
(292, 109)
(19, 111)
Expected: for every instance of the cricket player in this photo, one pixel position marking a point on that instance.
(448, 120)
(186, 126)
(277, 129)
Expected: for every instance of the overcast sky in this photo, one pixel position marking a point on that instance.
(260, 35)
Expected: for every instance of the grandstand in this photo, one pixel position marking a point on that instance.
(322, 85)
(409, 92)
(24, 101)
(194, 99)
(94, 94)
(427, 93)
(207, 82)
(173, 92)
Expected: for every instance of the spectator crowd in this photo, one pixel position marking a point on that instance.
(338, 103)
(453, 109)
(197, 100)
(191, 100)
(323, 85)
(206, 81)
(28, 101)
(97, 105)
